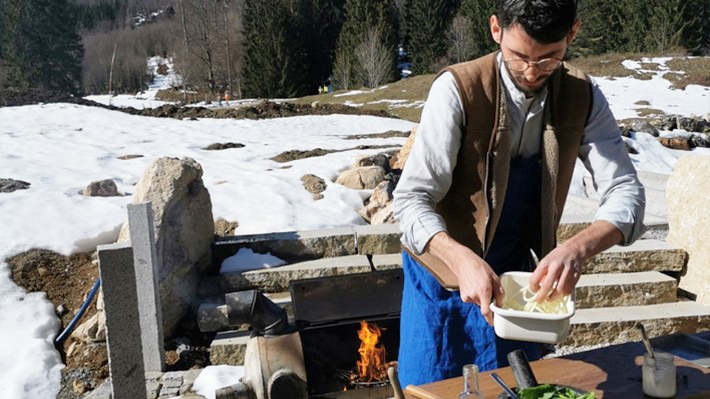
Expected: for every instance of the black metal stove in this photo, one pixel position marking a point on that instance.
(328, 312)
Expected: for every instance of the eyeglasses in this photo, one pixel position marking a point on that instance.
(545, 65)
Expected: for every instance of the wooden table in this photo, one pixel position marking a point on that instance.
(612, 372)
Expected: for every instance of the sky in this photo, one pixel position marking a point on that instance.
(61, 148)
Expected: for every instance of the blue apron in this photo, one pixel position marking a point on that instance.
(439, 333)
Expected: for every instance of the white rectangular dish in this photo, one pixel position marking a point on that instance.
(520, 325)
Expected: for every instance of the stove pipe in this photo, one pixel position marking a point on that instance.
(252, 307)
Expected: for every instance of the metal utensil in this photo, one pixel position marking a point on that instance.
(394, 381)
(646, 341)
(503, 385)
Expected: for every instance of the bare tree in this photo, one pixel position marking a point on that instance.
(342, 71)
(374, 58)
(460, 39)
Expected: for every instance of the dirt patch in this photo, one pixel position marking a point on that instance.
(385, 135)
(66, 280)
(606, 65)
(644, 112)
(223, 146)
(130, 156)
(642, 102)
(294, 155)
(16, 98)
(696, 72)
(314, 185)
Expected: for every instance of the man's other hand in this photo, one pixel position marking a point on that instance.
(478, 283)
(557, 274)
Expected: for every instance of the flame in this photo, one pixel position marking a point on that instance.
(371, 366)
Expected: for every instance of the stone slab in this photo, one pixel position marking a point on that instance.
(276, 279)
(643, 255)
(378, 239)
(656, 228)
(145, 262)
(123, 329)
(617, 324)
(291, 246)
(627, 289)
(229, 348)
(387, 261)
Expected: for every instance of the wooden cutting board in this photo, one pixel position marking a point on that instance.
(612, 372)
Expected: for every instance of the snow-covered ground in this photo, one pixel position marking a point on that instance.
(61, 148)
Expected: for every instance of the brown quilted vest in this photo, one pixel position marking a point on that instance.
(472, 207)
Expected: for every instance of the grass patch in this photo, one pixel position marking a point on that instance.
(643, 112)
(697, 72)
(606, 65)
(412, 90)
(650, 66)
(642, 102)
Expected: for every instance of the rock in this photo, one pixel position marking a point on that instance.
(184, 230)
(640, 125)
(687, 193)
(380, 198)
(222, 146)
(101, 188)
(625, 130)
(630, 149)
(398, 161)
(687, 124)
(384, 215)
(699, 142)
(78, 386)
(130, 156)
(61, 310)
(668, 122)
(314, 185)
(380, 160)
(93, 329)
(367, 177)
(10, 185)
(675, 143)
(224, 228)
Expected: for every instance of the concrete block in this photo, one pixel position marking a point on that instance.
(276, 279)
(387, 262)
(293, 246)
(123, 328)
(378, 239)
(643, 255)
(618, 324)
(229, 348)
(626, 289)
(145, 261)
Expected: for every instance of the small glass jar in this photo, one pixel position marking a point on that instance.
(470, 383)
(659, 376)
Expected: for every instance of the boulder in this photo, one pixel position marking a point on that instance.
(10, 185)
(640, 125)
(101, 188)
(380, 198)
(687, 193)
(384, 215)
(224, 227)
(675, 143)
(398, 161)
(668, 122)
(689, 124)
(363, 178)
(699, 141)
(314, 185)
(184, 230)
(380, 160)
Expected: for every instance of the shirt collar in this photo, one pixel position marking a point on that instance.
(516, 95)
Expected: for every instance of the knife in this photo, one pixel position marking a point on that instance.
(503, 385)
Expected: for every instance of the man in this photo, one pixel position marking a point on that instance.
(486, 183)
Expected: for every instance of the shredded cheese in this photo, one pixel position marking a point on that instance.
(557, 306)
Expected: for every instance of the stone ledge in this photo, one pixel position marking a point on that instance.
(627, 289)
(276, 279)
(656, 228)
(229, 348)
(378, 239)
(291, 246)
(618, 324)
(643, 255)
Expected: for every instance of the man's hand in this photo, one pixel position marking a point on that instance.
(563, 266)
(478, 283)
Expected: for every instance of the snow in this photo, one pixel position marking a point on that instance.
(61, 148)
(213, 378)
(246, 259)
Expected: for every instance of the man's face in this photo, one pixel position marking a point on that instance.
(516, 44)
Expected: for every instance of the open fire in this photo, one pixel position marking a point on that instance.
(371, 366)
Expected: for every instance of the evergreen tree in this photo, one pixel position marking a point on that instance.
(667, 20)
(427, 22)
(42, 46)
(361, 17)
(635, 30)
(274, 64)
(479, 14)
(694, 37)
(322, 24)
(602, 28)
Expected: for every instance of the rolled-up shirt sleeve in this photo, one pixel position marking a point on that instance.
(426, 177)
(623, 198)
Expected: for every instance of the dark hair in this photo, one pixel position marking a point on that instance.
(546, 21)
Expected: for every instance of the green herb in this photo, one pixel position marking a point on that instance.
(551, 392)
